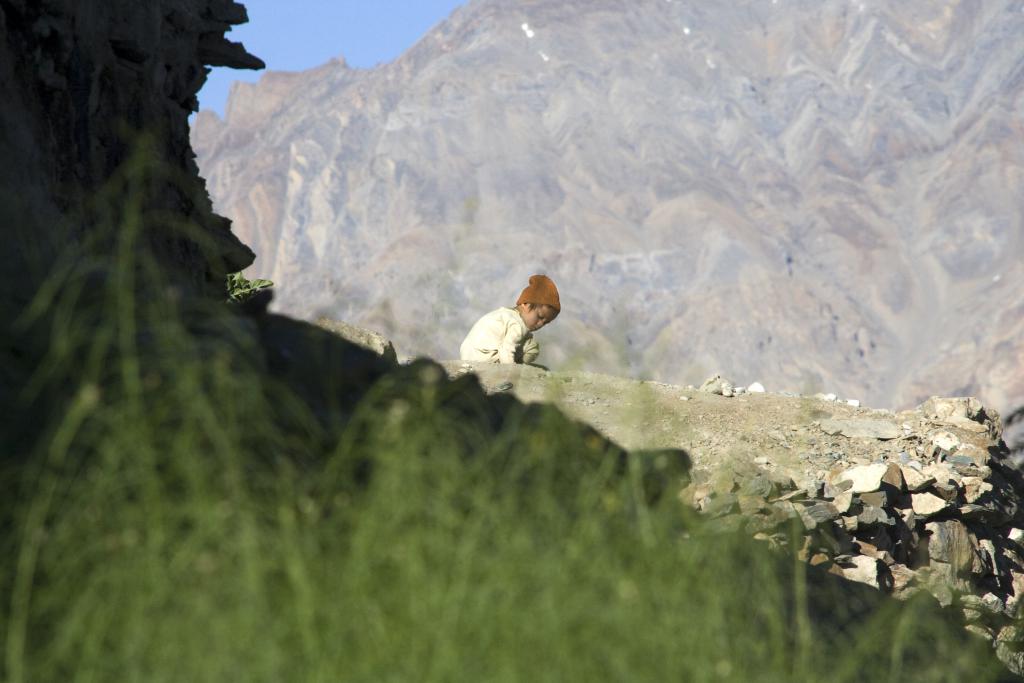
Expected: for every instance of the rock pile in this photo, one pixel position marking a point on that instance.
(717, 384)
(942, 514)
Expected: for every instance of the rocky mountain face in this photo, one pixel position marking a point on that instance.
(820, 195)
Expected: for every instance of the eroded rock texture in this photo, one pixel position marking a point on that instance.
(84, 85)
(95, 155)
(819, 195)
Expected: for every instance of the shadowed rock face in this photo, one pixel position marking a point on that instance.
(84, 84)
(95, 97)
(816, 195)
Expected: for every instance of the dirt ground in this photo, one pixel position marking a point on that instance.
(774, 430)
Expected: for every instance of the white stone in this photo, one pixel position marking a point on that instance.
(1016, 535)
(865, 478)
(864, 570)
(927, 504)
(853, 402)
(945, 440)
(755, 388)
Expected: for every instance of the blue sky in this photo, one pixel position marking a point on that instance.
(292, 35)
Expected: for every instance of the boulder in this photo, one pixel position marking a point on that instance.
(950, 542)
(818, 513)
(927, 504)
(842, 502)
(975, 488)
(871, 516)
(862, 569)
(368, 339)
(867, 478)
(915, 479)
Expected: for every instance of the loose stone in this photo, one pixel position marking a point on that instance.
(950, 542)
(945, 440)
(927, 504)
(915, 479)
(843, 501)
(865, 478)
(818, 513)
(878, 499)
(975, 488)
(871, 516)
(862, 569)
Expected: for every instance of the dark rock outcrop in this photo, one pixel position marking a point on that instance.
(94, 148)
(83, 85)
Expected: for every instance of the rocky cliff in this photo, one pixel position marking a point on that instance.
(819, 195)
(87, 84)
(95, 155)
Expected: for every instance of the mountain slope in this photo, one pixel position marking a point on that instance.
(818, 195)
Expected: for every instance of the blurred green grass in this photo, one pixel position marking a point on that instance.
(178, 514)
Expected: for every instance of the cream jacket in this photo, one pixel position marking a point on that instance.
(500, 337)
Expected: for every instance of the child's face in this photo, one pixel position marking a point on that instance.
(536, 317)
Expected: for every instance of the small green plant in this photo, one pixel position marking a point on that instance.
(240, 288)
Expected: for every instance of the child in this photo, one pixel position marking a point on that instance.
(506, 335)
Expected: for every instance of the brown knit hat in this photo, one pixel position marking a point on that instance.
(541, 291)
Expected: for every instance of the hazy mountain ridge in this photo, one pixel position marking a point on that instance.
(809, 194)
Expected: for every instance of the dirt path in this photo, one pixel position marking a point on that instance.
(715, 431)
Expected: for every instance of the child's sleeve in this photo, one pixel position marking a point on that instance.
(531, 349)
(512, 338)
(509, 344)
